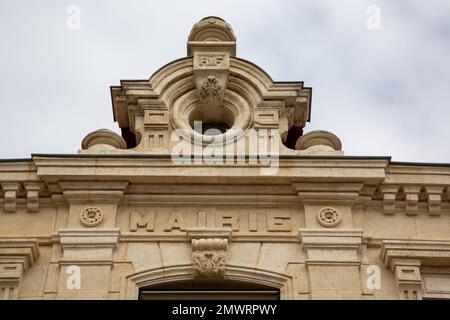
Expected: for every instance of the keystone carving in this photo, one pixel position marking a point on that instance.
(209, 252)
(208, 265)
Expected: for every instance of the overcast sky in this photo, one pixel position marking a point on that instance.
(381, 91)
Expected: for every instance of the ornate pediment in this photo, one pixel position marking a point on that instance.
(211, 87)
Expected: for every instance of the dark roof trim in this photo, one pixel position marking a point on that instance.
(428, 164)
(165, 156)
(16, 160)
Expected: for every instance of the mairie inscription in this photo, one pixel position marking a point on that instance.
(172, 221)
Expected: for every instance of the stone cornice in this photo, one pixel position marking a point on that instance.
(331, 246)
(111, 191)
(141, 169)
(13, 170)
(21, 250)
(336, 192)
(82, 237)
(25, 170)
(333, 238)
(428, 252)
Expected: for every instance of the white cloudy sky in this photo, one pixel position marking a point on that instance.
(383, 92)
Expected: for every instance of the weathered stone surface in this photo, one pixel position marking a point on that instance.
(126, 214)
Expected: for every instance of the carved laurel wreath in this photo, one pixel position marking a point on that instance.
(328, 217)
(91, 217)
(209, 265)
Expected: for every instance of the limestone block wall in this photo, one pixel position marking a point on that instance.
(363, 232)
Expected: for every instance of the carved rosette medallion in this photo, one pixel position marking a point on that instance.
(328, 217)
(210, 90)
(91, 217)
(208, 265)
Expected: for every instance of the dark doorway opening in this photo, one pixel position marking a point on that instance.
(209, 290)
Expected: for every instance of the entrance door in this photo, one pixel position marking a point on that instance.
(202, 290)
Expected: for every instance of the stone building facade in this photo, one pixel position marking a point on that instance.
(213, 185)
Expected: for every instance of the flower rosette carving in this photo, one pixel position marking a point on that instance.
(328, 217)
(91, 217)
(209, 265)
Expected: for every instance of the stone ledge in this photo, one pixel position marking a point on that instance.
(82, 237)
(20, 250)
(428, 252)
(199, 233)
(331, 237)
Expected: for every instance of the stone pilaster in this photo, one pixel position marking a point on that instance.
(333, 261)
(405, 258)
(92, 203)
(328, 204)
(408, 278)
(86, 262)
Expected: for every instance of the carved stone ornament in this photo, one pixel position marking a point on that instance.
(91, 217)
(103, 139)
(210, 90)
(286, 112)
(318, 138)
(328, 217)
(208, 265)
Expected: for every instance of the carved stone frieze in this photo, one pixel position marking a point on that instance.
(411, 198)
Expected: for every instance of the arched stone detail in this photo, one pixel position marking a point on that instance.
(212, 78)
(184, 272)
(233, 102)
(168, 80)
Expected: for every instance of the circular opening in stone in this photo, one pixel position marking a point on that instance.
(211, 120)
(212, 128)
